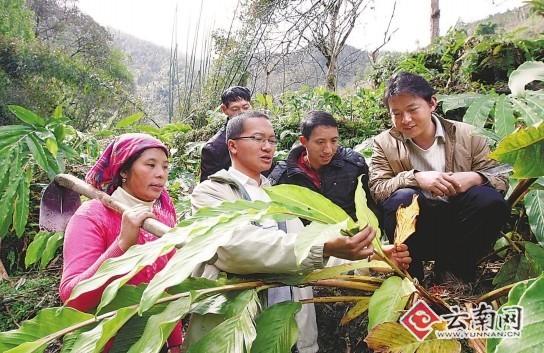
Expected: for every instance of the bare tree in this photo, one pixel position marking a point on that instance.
(435, 19)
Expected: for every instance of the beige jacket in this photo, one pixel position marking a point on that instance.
(465, 151)
(255, 250)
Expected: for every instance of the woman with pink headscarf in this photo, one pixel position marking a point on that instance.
(133, 170)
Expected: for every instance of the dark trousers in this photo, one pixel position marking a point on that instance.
(455, 233)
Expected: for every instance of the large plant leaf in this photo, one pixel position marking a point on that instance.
(528, 113)
(535, 254)
(11, 184)
(129, 120)
(35, 334)
(21, 203)
(534, 204)
(232, 335)
(332, 272)
(479, 110)
(93, 341)
(365, 216)
(388, 301)
(392, 337)
(532, 340)
(276, 329)
(27, 116)
(53, 243)
(40, 156)
(11, 136)
(527, 72)
(319, 207)
(406, 220)
(513, 299)
(515, 269)
(455, 101)
(313, 234)
(35, 248)
(505, 123)
(356, 311)
(521, 149)
(160, 326)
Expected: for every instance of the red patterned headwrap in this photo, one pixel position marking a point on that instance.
(103, 175)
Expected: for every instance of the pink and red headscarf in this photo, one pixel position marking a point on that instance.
(105, 172)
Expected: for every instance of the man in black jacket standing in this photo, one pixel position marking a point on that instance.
(215, 154)
(323, 166)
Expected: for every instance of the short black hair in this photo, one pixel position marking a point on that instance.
(234, 94)
(235, 126)
(406, 82)
(314, 119)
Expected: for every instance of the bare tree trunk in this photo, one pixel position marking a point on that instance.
(435, 19)
(3, 272)
(330, 79)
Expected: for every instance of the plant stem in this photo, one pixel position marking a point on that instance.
(345, 299)
(519, 191)
(497, 293)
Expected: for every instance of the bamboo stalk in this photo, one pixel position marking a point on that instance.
(345, 284)
(497, 293)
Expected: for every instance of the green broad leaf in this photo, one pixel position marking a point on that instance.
(478, 112)
(388, 301)
(21, 203)
(532, 303)
(131, 332)
(515, 269)
(11, 136)
(521, 149)
(500, 243)
(505, 123)
(314, 234)
(365, 216)
(534, 204)
(196, 283)
(129, 120)
(40, 156)
(51, 145)
(527, 72)
(277, 330)
(36, 247)
(528, 113)
(316, 205)
(48, 325)
(357, 310)
(513, 299)
(160, 326)
(233, 335)
(10, 185)
(51, 247)
(455, 101)
(332, 272)
(133, 260)
(57, 113)
(394, 338)
(27, 116)
(535, 255)
(198, 249)
(93, 341)
(68, 341)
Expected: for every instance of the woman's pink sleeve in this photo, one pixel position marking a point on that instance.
(85, 249)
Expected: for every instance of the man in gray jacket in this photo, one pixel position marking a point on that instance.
(266, 248)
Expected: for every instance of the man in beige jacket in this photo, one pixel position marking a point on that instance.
(460, 190)
(268, 247)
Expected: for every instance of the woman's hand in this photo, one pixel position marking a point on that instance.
(399, 254)
(132, 220)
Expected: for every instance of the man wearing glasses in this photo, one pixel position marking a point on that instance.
(322, 165)
(268, 247)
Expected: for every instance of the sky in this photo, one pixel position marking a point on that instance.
(153, 20)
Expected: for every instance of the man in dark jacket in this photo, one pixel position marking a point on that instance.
(323, 166)
(215, 154)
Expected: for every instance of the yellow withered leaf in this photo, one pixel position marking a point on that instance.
(406, 221)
